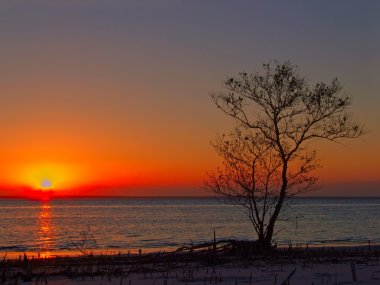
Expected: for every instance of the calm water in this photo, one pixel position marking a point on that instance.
(161, 224)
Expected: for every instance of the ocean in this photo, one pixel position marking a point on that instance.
(65, 226)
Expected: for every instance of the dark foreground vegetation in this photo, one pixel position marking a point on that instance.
(186, 260)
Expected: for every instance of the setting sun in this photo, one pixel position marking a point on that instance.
(49, 176)
(46, 184)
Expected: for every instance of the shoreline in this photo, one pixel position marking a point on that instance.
(100, 197)
(350, 247)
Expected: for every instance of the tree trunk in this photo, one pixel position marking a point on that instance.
(263, 243)
(270, 228)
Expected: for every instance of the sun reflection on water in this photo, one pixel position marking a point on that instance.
(45, 230)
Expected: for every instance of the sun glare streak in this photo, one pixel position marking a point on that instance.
(46, 231)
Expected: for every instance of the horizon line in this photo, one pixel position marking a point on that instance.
(170, 197)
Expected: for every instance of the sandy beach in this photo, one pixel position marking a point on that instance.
(242, 274)
(339, 265)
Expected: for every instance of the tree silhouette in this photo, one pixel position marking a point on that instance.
(267, 158)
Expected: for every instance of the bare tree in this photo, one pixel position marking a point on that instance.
(267, 158)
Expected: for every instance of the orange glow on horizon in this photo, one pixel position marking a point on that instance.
(59, 176)
(44, 181)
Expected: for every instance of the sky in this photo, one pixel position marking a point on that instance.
(112, 97)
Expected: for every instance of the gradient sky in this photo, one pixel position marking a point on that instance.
(113, 96)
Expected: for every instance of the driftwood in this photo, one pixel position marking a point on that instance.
(215, 245)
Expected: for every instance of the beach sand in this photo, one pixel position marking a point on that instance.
(299, 267)
(237, 274)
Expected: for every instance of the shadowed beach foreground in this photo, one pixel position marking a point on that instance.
(219, 263)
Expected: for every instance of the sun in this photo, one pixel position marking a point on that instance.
(46, 184)
(49, 176)
(43, 180)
